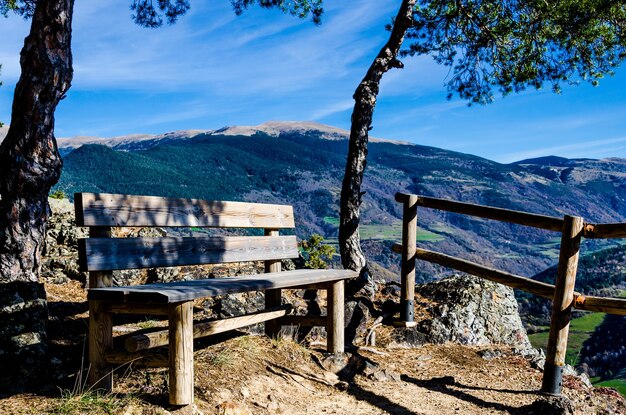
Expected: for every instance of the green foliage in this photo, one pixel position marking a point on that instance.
(316, 254)
(89, 402)
(152, 13)
(299, 8)
(603, 353)
(581, 329)
(24, 8)
(148, 14)
(57, 194)
(514, 44)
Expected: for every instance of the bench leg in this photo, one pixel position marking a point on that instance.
(181, 353)
(272, 300)
(335, 326)
(100, 342)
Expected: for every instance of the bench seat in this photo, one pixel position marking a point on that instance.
(174, 292)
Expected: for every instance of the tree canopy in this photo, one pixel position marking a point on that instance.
(514, 44)
(153, 13)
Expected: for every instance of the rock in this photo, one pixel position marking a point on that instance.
(245, 392)
(345, 365)
(60, 254)
(536, 358)
(232, 408)
(406, 338)
(186, 410)
(375, 372)
(23, 342)
(551, 405)
(585, 380)
(489, 354)
(472, 311)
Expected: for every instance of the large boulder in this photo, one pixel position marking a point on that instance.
(472, 311)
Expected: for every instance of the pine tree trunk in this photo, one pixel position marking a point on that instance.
(352, 255)
(31, 164)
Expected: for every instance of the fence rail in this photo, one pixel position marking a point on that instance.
(550, 223)
(562, 294)
(538, 288)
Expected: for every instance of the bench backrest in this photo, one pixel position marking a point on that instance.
(100, 212)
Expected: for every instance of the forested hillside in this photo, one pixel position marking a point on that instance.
(303, 166)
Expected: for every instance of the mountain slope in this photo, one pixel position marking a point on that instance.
(303, 165)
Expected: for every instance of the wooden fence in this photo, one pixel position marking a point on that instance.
(562, 294)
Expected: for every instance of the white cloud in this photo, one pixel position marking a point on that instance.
(332, 108)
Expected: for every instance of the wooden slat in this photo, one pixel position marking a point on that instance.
(600, 304)
(304, 321)
(101, 209)
(139, 359)
(505, 215)
(191, 290)
(606, 230)
(143, 341)
(101, 254)
(140, 309)
(98, 279)
(538, 288)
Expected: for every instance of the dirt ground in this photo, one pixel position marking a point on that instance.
(247, 374)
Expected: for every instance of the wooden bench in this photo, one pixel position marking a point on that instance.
(100, 254)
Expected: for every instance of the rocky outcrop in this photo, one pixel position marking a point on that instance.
(472, 311)
(465, 310)
(60, 256)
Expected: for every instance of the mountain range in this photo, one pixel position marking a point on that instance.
(303, 163)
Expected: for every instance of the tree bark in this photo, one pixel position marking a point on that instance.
(31, 165)
(352, 256)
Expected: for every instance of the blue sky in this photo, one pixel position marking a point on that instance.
(214, 69)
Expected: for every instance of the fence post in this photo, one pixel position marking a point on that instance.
(407, 273)
(562, 304)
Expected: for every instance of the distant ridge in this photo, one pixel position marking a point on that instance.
(554, 161)
(126, 142)
(134, 142)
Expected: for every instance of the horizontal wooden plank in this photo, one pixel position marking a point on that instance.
(606, 230)
(144, 358)
(538, 288)
(304, 321)
(148, 340)
(103, 254)
(601, 304)
(101, 209)
(504, 215)
(190, 290)
(149, 310)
